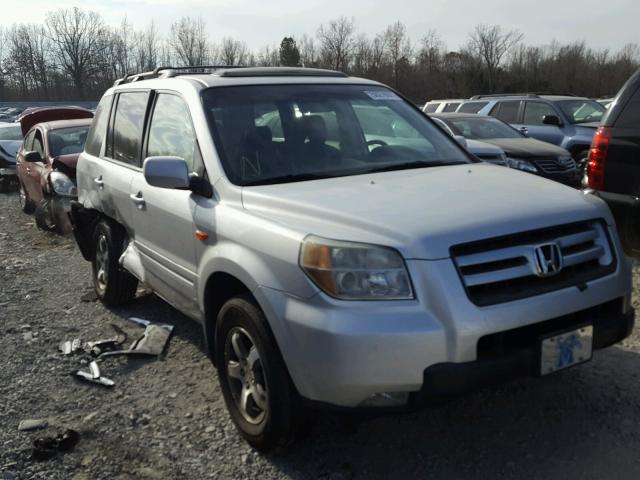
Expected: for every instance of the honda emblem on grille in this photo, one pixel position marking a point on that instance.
(548, 259)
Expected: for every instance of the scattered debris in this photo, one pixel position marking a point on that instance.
(153, 341)
(32, 424)
(45, 448)
(90, 417)
(96, 347)
(93, 376)
(27, 336)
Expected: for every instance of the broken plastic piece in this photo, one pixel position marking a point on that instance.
(153, 341)
(70, 346)
(45, 448)
(100, 346)
(93, 375)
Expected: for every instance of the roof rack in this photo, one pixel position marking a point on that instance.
(527, 94)
(228, 71)
(169, 72)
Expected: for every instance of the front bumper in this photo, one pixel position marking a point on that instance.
(571, 178)
(343, 353)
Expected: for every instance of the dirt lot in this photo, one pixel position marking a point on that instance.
(166, 418)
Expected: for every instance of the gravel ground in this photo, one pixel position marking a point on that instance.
(166, 418)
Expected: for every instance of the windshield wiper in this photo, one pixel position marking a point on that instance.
(298, 177)
(410, 165)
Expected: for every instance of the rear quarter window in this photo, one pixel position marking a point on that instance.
(98, 129)
(630, 114)
(431, 107)
(472, 107)
(506, 111)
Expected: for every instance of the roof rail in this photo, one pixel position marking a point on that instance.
(280, 72)
(169, 72)
(526, 94)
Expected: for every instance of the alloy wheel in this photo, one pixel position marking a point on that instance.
(245, 375)
(102, 262)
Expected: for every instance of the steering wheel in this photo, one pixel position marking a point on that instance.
(381, 143)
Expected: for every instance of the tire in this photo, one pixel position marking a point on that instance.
(112, 284)
(44, 218)
(273, 415)
(26, 204)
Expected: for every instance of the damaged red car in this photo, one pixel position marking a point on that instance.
(46, 162)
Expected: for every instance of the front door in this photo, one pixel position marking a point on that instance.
(534, 112)
(163, 219)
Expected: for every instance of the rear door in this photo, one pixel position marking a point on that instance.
(123, 155)
(509, 112)
(534, 112)
(35, 170)
(164, 218)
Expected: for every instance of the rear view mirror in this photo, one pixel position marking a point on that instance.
(166, 172)
(551, 120)
(461, 140)
(32, 157)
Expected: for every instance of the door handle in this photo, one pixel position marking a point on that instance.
(28, 170)
(98, 181)
(138, 199)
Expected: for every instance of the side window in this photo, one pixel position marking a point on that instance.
(38, 144)
(630, 115)
(431, 107)
(171, 132)
(472, 107)
(28, 141)
(506, 111)
(450, 107)
(98, 129)
(128, 125)
(534, 112)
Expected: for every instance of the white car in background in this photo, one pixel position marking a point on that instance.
(442, 106)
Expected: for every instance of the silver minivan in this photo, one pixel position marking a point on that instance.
(337, 247)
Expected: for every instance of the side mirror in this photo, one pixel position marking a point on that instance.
(551, 120)
(32, 157)
(461, 140)
(166, 172)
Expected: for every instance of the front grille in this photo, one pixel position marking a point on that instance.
(508, 268)
(555, 165)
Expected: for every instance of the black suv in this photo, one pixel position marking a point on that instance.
(613, 171)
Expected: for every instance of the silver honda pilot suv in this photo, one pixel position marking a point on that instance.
(337, 247)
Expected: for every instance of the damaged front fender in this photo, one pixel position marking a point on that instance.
(84, 221)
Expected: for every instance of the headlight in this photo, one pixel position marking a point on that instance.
(520, 164)
(63, 185)
(355, 271)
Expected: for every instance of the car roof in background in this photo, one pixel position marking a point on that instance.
(31, 117)
(59, 124)
(524, 96)
(453, 115)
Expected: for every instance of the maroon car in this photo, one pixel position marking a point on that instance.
(46, 162)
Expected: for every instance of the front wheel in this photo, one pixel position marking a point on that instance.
(26, 204)
(112, 284)
(44, 216)
(260, 397)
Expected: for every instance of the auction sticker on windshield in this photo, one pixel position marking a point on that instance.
(565, 350)
(382, 95)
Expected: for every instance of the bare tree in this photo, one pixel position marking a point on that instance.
(188, 41)
(398, 48)
(233, 52)
(337, 42)
(78, 41)
(308, 51)
(491, 44)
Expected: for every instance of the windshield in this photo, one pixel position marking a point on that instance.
(10, 132)
(284, 133)
(582, 111)
(481, 128)
(67, 141)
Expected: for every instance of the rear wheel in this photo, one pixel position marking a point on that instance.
(260, 397)
(44, 216)
(26, 204)
(112, 284)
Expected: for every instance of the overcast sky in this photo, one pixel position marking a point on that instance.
(603, 24)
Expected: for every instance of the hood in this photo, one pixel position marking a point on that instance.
(9, 149)
(527, 147)
(423, 212)
(66, 163)
(31, 117)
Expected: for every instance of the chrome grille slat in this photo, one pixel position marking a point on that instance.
(508, 268)
(497, 275)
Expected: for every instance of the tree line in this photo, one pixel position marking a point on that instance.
(75, 55)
